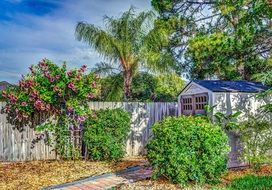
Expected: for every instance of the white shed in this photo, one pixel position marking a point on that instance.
(228, 96)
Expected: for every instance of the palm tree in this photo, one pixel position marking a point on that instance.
(127, 42)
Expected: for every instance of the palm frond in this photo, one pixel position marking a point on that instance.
(106, 69)
(104, 43)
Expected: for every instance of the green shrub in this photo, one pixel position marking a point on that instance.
(105, 134)
(187, 149)
(251, 182)
(256, 136)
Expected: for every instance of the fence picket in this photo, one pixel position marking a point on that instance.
(16, 146)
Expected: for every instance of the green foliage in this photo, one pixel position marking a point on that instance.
(145, 87)
(188, 149)
(168, 87)
(230, 41)
(111, 88)
(256, 136)
(52, 92)
(52, 89)
(105, 134)
(128, 42)
(251, 182)
(266, 78)
(223, 55)
(228, 122)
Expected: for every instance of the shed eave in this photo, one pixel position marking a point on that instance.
(193, 83)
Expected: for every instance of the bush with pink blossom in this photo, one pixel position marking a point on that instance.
(51, 90)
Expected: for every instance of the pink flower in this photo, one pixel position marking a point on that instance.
(70, 73)
(78, 77)
(81, 118)
(47, 107)
(38, 104)
(23, 104)
(90, 96)
(12, 98)
(30, 83)
(94, 84)
(43, 65)
(56, 89)
(51, 79)
(34, 94)
(8, 109)
(83, 68)
(71, 85)
(21, 83)
(70, 109)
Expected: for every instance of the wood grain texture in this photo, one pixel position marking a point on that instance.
(17, 146)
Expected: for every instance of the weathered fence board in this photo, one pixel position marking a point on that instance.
(143, 115)
(16, 146)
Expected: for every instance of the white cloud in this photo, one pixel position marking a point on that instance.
(28, 38)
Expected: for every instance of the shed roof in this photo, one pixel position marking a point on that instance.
(232, 86)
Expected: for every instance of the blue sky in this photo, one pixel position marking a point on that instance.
(34, 29)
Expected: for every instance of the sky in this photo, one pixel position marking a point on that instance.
(31, 30)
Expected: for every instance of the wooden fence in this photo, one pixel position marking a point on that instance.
(18, 146)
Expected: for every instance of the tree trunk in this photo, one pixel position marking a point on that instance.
(243, 71)
(127, 84)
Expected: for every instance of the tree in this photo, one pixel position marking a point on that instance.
(266, 78)
(168, 87)
(128, 42)
(145, 87)
(227, 39)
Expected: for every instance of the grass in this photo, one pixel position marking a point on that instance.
(233, 180)
(251, 182)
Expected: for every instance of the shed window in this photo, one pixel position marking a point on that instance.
(200, 102)
(194, 104)
(187, 104)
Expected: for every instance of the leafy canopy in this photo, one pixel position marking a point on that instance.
(145, 87)
(223, 39)
(128, 42)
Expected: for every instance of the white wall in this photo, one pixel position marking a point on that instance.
(247, 103)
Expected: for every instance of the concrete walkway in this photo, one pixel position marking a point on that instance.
(107, 181)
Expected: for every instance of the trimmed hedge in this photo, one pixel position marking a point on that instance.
(105, 134)
(188, 149)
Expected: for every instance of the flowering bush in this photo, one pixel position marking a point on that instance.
(51, 90)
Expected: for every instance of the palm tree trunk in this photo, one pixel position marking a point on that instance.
(127, 84)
